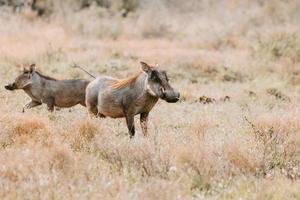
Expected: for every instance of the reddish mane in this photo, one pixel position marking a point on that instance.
(125, 82)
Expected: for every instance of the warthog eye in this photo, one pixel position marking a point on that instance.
(154, 77)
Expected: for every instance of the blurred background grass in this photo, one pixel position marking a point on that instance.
(233, 135)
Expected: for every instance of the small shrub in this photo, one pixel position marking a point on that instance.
(277, 94)
(275, 142)
(199, 129)
(125, 6)
(135, 158)
(28, 126)
(282, 45)
(197, 160)
(87, 130)
(206, 100)
(84, 134)
(25, 129)
(243, 161)
(200, 184)
(61, 159)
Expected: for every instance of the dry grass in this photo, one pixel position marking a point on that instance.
(235, 134)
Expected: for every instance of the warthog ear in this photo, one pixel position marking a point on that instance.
(20, 67)
(32, 68)
(145, 67)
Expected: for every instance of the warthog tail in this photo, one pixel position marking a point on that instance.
(77, 66)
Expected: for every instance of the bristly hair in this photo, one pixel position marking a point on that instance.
(46, 77)
(125, 82)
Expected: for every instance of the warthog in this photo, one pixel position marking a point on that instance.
(107, 96)
(44, 89)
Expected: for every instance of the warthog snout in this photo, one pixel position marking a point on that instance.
(171, 96)
(11, 86)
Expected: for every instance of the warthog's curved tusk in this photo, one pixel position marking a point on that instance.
(26, 84)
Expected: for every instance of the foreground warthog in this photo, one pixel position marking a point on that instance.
(107, 96)
(44, 89)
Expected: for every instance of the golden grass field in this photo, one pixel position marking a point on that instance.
(207, 146)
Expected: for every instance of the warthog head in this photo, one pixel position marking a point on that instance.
(23, 80)
(158, 84)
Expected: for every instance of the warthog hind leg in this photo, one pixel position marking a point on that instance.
(100, 115)
(92, 110)
(30, 104)
(50, 104)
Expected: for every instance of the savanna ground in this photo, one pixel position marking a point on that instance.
(235, 134)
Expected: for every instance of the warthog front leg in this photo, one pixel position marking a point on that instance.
(31, 104)
(130, 122)
(144, 123)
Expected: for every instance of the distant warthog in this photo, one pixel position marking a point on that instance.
(44, 89)
(107, 96)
